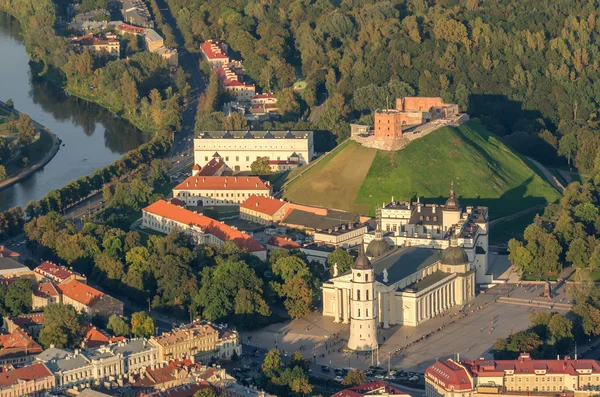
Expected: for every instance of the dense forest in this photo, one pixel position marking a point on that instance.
(528, 70)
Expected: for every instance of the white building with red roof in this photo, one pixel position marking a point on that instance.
(263, 210)
(164, 217)
(48, 271)
(89, 300)
(32, 380)
(215, 53)
(522, 376)
(200, 190)
(376, 388)
(214, 167)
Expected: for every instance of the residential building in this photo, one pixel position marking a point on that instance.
(407, 285)
(160, 377)
(98, 44)
(214, 167)
(32, 380)
(230, 388)
(32, 323)
(18, 348)
(431, 225)
(152, 40)
(48, 271)
(262, 210)
(6, 253)
(125, 28)
(377, 388)
(164, 217)
(215, 53)
(264, 99)
(317, 252)
(234, 79)
(220, 190)
(277, 242)
(344, 236)
(44, 294)
(199, 339)
(170, 55)
(135, 12)
(80, 368)
(95, 338)
(89, 300)
(10, 268)
(239, 149)
(523, 376)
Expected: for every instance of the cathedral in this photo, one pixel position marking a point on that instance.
(411, 279)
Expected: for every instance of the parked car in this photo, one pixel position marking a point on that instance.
(338, 379)
(325, 368)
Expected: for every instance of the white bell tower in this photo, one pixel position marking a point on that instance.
(363, 306)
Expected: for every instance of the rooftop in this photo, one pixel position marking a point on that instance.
(450, 374)
(5, 252)
(53, 271)
(213, 50)
(426, 282)
(404, 261)
(197, 182)
(264, 205)
(81, 292)
(150, 34)
(283, 242)
(193, 330)
(210, 168)
(187, 390)
(208, 225)
(29, 373)
(254, 135)
(370, 389)
(314, 221)
(9, 265)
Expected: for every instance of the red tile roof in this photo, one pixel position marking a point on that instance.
(130, 28)
(19, 339)
(263, 96)
(80, 292)
(210, 168)
(196, 167)
(213, 50)
(448, 374)
(24, 320)
(187, 390)
(6, 253)
(283, 242)
(208, 225)
(368, 388)
(54, 272)
(29, 373)
(222, 183)
(45, 289)
(95, 337)
(524, 364)
(264, 205)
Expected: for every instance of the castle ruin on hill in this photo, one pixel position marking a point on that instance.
(413, 118)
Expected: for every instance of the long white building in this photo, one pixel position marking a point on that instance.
(239, 149)
(198, 190)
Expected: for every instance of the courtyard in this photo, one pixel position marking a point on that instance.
(469, 331)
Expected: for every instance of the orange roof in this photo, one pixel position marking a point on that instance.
(222, 183)
(210, 168)
(29, 373)
(264, 205)
(263, 96)
(130, 28)
(283, 242)
(196, 167)
(19, 339)
(54, 272)
(6, 253)
(46, 289)
(371, 388)
(95, 337)
(449, 374)
(80, 292)
(208, 225)
(187, 390)
(213, 50)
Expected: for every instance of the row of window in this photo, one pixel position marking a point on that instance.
(540, 379)
(237, 158)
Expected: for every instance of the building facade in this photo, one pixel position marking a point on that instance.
(410, 286)
(33, 380)
(431, 225)
(164, 217)
(239, 149)
(89, 300)
(215, 53)
(453, 378)
(220, 190)
(262, 210)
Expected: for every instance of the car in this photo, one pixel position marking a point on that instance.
(338, 379)
(325, 368)
(379, 376)
(390, 377)
(414, 379)
(369, 374)
(393, 372)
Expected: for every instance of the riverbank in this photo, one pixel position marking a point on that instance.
(45, 133)
(55, 79)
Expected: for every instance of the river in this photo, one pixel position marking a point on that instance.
(92, 136)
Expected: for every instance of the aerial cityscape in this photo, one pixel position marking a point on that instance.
(202, 198)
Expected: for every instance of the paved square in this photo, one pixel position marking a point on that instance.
(471, 332)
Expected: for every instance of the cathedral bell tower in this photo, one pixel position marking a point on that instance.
(363, 306)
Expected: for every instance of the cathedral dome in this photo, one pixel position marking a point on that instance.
(454, 255)
(377, 247)
(452, 202)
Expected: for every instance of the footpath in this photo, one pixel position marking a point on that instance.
(25, 172)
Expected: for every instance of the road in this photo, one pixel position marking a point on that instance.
(551, 178)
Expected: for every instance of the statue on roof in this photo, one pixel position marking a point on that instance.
(335, 270)
(385, 275)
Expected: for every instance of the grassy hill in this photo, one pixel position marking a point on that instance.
(484, 170)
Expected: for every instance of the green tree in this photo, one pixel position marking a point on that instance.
(341, 258)
(63, 326)
(25, 129)
(235, 122)
(3, 174)
(261, 166)
(17, 298)
(9, 103)
(129, 93)
(354, 378)
(560, 327)
(118, 326)
(298, 295)
(142, 325)
(272, 364)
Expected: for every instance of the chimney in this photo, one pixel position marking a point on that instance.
(257, 204)
(433, 209)
(235, 179)
(203, 179)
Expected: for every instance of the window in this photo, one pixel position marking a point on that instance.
(247, 158)
(367, 293)
(358, 295)
(367, 279)
(367, 312)
(237, 158)
(227, 158)
(205, 158)
(358, 313)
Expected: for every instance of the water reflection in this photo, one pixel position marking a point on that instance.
(92, 136)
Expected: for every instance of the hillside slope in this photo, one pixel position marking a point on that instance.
(484, 170)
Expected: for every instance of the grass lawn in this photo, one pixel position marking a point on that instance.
(4, 123)
(335, 181)
(485, 172)
(537, 277)
(514, 228)
(595, 275)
